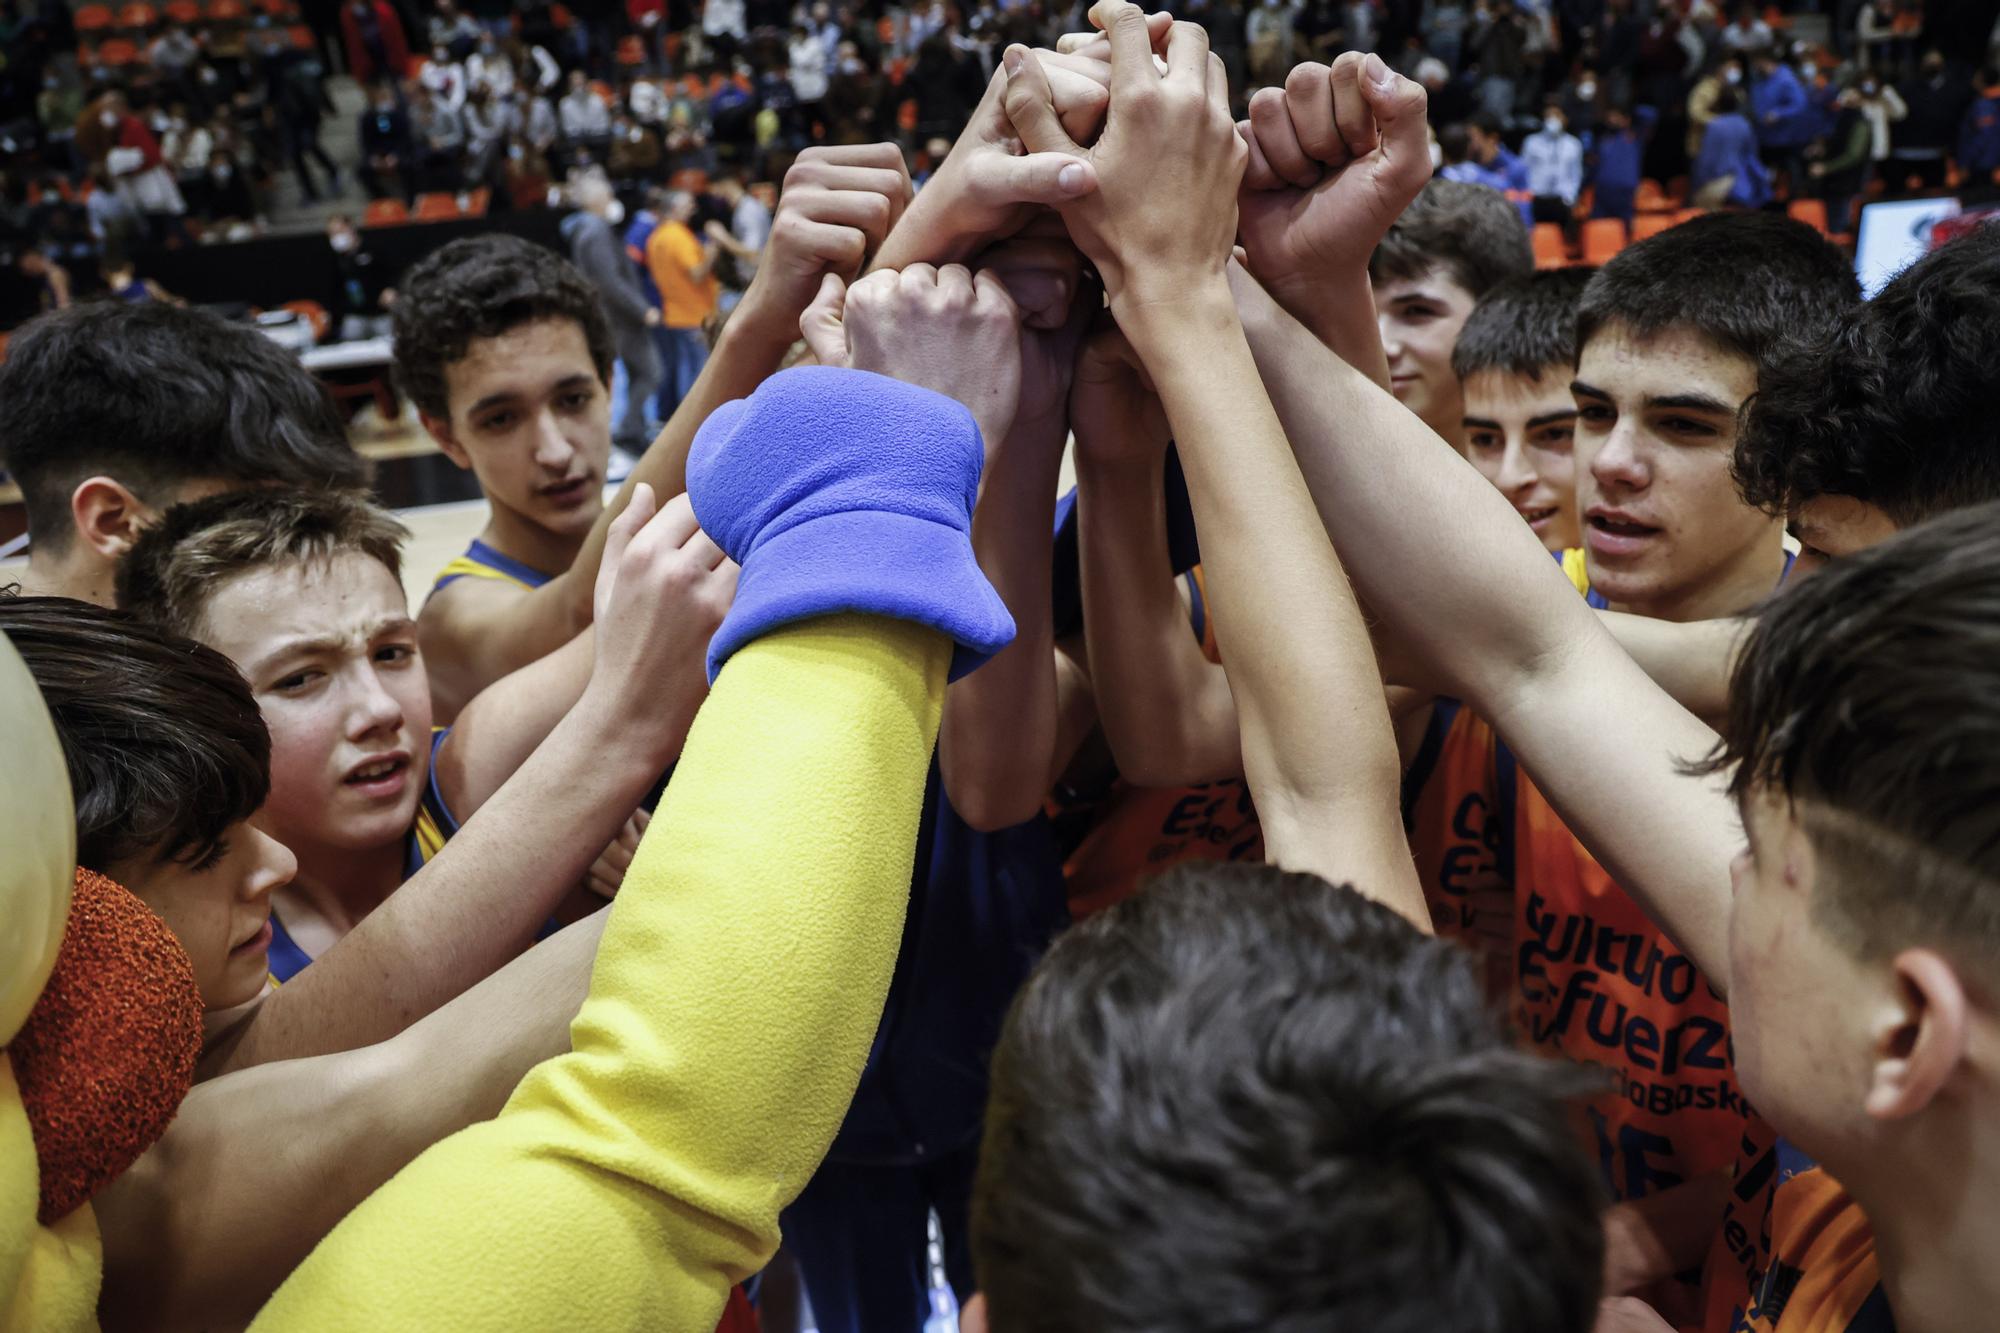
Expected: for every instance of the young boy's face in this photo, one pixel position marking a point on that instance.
(531, 418)
(1518, 433)
(1420, 318)
(219, 908)
(331, 655)
(1664, 530)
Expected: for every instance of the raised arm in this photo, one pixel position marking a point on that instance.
(1317, 746)
(259, 1165)
(494, 884)
(837, 206)
(1167, 711)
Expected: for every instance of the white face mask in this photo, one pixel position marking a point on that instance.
(1586, 90)
(1732, 75)
(109, 120)
(1552, 124)
(615, 213)
(345, 242)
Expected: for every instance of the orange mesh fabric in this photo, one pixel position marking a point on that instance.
(109, 1051)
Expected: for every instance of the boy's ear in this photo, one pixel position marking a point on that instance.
(108, 516)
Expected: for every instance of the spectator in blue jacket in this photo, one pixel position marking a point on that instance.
(1619, 156)
(1979, 135)
(1488, 154)
(1728, 172)
(1782, 114)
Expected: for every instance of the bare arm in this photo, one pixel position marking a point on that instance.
(1690, 660)
(838, 204)
(260, 1164)
(1317, 746)
(1166, 710)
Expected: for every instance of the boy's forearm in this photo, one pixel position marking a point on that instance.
(999, 729)
(475, 905)
(1339, 310)
(1164, 717)
(194, 1240)
(1317, 746)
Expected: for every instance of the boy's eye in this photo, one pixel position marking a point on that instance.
(211, 858)
(1596, 414)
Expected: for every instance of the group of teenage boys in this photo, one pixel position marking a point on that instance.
(1115, 953)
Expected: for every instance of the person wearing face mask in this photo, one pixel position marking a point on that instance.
(1554, 159)
(1859, 141)
(1701, 100)
(373, 38)
(388, 149)
(490, 68)
(1727, 171)
(1583, 105)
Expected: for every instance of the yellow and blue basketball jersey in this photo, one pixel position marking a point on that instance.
(481, 561)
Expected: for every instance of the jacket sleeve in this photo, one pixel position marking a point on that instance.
(631, 1182)
(605, 265)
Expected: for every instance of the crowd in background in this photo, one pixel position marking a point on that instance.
(1566, 104)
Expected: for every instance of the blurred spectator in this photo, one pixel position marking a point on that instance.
(1443, 27)
(115, 222)
(681, 267)
(372, 37)
(584, 117)
(488, 122)
(1268, 29)
(50, 279)
(439, 131)
(173, 56)
(535, 120)
(1781, 114)
(1492, 163)
(452, 30)
(1746, 33)
(724, 30)
(600, 255)
(388, 146)
(300, 106)
(444, 79)
(1728, 171)
(1553, 160)
(636, 152)
(123, 283)
(227, 197)
(526, 175)
(1583, 104)
(362, 296)
(1728, 73)
(944, 88)
(1842, 174)
(647, 102)
(1499, 51)
(1619, 152)
(1936, 99)
(808, 69)
(853, 98)
(748, 230)
(1979, 135)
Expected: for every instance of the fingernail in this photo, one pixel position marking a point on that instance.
(1013, 60)
(1377, 72)
(1072, 178)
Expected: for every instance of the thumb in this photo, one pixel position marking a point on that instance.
(1399, 107)
(1031, 105)
(821, 322)
(1054, 179)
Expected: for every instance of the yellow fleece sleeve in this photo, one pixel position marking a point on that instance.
(49, 1276)
(631, 1182)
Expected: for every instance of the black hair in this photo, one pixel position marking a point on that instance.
(1868, 697)
(165, 745)
(1896, 405)
(158, 396)
(1744, 281)
(1469, 231)
(1247, 1098)
(1524, 327)
(482, 287)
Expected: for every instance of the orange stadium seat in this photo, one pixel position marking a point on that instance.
(1550, 251)
(1652, 197)
(1602, 238)
(436, 208)
(384, 213)
(1812, 212)
(93, 18)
